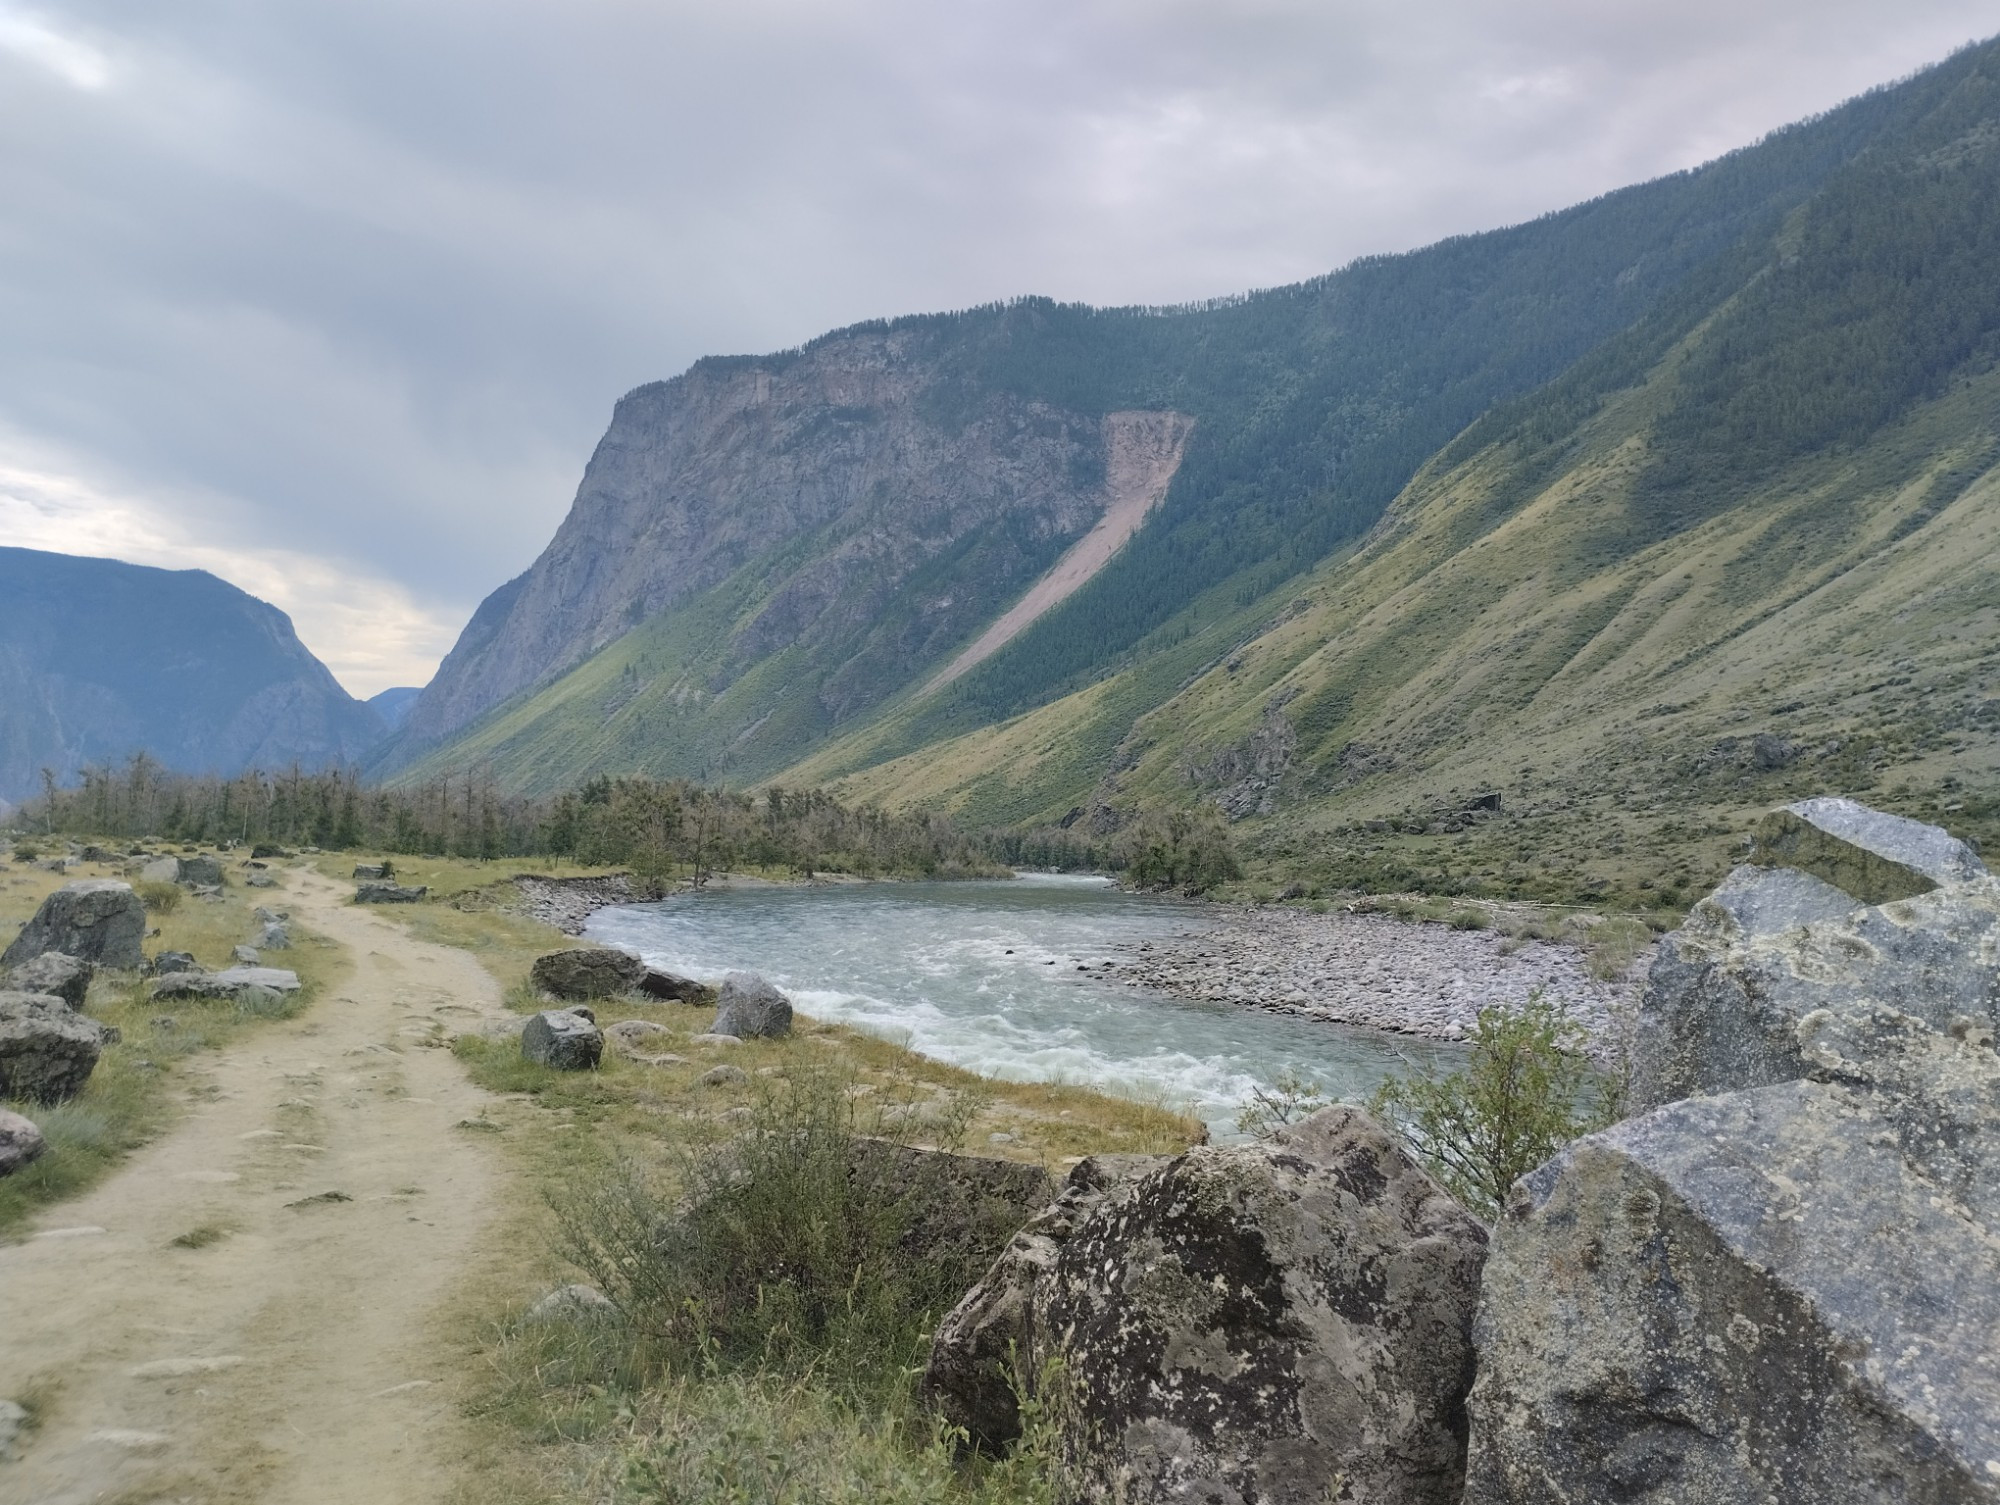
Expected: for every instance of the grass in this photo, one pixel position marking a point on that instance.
(141, 1083)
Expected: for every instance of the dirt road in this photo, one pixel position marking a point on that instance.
(294, 1358)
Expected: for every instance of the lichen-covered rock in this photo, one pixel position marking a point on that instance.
(169, 962)
(381, 872)
(986, 1347)
(1726, 991)
(94, 920)
(1281, 1323)
(632, 1037)
(228, 983)
(21, 1142)
(199, 872)
(587, 972)
(274, 937)
(64, 977)
(1787, 1294)
(748, 1006)
(389, 893)
(47, 1052)
(562, 1039)
(659, 983)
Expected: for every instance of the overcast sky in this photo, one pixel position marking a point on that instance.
(333, 297)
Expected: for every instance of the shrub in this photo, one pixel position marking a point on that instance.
(1525, 1093)
(1287, 1100)
(160, 898)
(1185, 849)
(27, 852)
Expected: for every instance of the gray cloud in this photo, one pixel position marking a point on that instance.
(338, 295)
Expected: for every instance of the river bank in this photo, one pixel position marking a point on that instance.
(1378, 972)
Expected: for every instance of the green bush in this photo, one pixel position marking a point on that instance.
(1527, 1091)
(160, 898)
(1184, 849)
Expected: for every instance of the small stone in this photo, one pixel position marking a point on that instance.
(21, 1142)
(724, 1076)
(572, 1303)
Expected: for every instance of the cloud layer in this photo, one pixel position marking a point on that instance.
(334, 298)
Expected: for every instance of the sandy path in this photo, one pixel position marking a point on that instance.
(1143, 450)
(292, 1360)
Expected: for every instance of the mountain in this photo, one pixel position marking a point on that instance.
(1686, 488)
(393, 705)
(100, 660)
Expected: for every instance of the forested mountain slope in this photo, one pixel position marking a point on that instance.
(767, 552)
(101, 659)
(1689, 492)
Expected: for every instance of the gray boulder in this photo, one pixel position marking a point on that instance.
(94, 920)
(748, 1006)
(247, 955)
(388, 893)
(1727, 990)
(563, 1039)
(66, 977)
(274, 937)
(659, 983)
(630, 1037)
(227, 983)
(200, 872)
(169, 962)
(20, 1142)
(161, 870)
(378, 871)
(587, 972)
(1787, 1294)
(985, 1348)
(259, 879)
(1281, 1323)
(47, 1052)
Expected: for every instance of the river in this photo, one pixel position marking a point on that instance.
(988, 976)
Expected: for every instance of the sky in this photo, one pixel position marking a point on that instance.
(334, 297)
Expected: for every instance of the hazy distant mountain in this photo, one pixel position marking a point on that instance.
(393, 705)
(1694, 482)
(100, 660)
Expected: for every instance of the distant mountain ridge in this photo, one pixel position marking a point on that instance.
(100, 659)
(1423, 510)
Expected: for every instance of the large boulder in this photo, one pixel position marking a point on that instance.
(389, 893)
(984, 1349)
(200, 872)
(94, 920)
(1915, 926)
(228, 983)
(65, 977)
(748, 1005)
(660, 983)
(161, 870)
(1281, 1323)
(563, 1039)
(21, 1142)
(587, 972)
(47, 1052)
(1785, 1294)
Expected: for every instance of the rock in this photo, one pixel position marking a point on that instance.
(170, 962)
(13, 1422)
(562, 1039)
(714, 1039)
(66, 977)
(970, 1379)
(247, 955)
(383, 872)
(724, 1076)
(388, 893)
(265, 849)
(587, 972)
(94, 853)
(1726, 992)
(161, 870)
(748, 1006)
(200, 872)
(265, 916)
(259, 880)
(1788, 1293)
(1279, 1323)
(572, 1303)
(20, 1142)
(94, 920)
(274, 937)
(225, 984)
(1875, 857)
(46, 1052)
(628, 1035)
(658, 983)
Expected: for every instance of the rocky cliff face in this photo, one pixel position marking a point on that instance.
(100, 660)
(820, 485)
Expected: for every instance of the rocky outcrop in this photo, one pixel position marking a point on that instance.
(1916, 927)
(586, 972)
(566, 903)
(1789, 1293)
(564, 1039)
(47, 1052)
(54, 973)
(984, 1350)
(95, 919)
(748, 1006)
(389, 893)
(21, 1144)
(1284, 1323)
